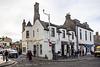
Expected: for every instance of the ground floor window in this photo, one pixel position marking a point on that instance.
(53, 47)
(24, 49)
(40, 49)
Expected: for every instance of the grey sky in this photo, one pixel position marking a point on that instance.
(12, 13)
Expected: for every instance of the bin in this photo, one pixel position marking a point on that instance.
(55, 56)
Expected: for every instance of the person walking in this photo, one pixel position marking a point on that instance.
(34, 52)
(19, 56)
(75, 54)
(30, 56)
(27, 54)
(6, 54)
(78, 53)
(83, 52)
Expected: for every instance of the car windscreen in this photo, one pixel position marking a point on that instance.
(1, 49)
(98, 49)
(13, 51)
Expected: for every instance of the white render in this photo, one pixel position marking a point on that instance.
(41, 37)
(83, 41)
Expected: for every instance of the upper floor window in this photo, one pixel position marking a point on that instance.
(33, 33)
(63, 33)
(90, 36)
(85, 35)
(52, 32)
(80, 34)
(27, 34)
(72, 35)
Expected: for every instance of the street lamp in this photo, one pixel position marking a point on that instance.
(68, 42)
(27, 45)
(50, 52)
(77, 36)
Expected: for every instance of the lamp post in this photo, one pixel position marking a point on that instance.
(77, 36)
(50, 52)
(69, 42)
(27, 45)
(3, 46)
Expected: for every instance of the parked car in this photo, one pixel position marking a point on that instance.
(97, 52)
(1, 51)
(13, 53)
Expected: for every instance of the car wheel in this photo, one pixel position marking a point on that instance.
(95, 55)
(14, 56)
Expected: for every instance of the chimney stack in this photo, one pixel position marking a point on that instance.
(23, 25)
(36, 12)
(97, 33)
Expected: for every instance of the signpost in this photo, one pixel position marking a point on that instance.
(50, 44)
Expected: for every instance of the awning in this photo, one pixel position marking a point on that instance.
(88, 45)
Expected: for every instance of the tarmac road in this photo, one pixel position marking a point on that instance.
(35, 63)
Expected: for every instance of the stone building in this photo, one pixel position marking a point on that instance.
(65, 38)
(84, 34)
(36, 37)
(7, 42)
(97, 39)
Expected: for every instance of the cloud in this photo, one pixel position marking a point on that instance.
(12, 13)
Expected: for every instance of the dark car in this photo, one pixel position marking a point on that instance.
(13, 53)
(1, 51)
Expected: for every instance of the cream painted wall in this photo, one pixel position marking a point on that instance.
(83, 41)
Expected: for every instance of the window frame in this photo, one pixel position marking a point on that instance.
(27, 34)
(81, 34)
(40, 49)
(90, 37)
(85, 35)
(53, 32)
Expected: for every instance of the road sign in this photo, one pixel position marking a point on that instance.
(50, 44)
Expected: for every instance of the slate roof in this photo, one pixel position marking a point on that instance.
(46, 24)
(29, 24)
(84, 25)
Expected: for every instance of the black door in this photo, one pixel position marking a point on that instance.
(62, 47)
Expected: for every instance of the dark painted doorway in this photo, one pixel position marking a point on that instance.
(62, 47)
(53, 47)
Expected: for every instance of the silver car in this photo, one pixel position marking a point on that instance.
(13, 53)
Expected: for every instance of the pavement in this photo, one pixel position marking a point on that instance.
(4, 63)
(70, 59)
(88, 57)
